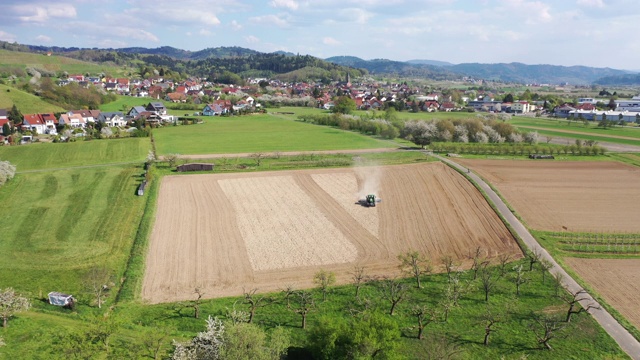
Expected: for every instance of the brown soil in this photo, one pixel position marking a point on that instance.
(583, 196)
(224, 233)
(616, 280)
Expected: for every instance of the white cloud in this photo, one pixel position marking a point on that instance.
(533, 11)
(43, 38)
(5, 36)
(235, 25)
(205, 32)
(269, 20)
(359, 16)
(40, 13)
(251, 39)
(289, 4)
(106, 31)
(591, 3)
(107, 43)
(331, 41)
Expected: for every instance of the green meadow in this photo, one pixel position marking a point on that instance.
(39, 156)
(25, 102)
(257, 133)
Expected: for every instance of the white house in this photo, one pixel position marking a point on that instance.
(73, 120)
(112, 119)
(34, 122)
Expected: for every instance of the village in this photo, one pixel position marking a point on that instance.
(202, 98)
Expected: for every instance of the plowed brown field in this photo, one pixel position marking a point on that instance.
(597, 196)
(224, 233)
(616, 280)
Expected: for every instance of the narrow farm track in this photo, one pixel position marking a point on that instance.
(624, 339)
(579, 133)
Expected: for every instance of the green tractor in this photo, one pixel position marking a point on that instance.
(370, 200)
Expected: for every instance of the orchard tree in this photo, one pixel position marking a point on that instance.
(573, 299)
(323, 279)
(424, 316)
(546, 329)
(97, 282)
(518, 278)
(393, 291)
(255, 301)
(303, 304)
(11, 303)
(359, 278)
(414, 264)
(206, 345)
(7, 172)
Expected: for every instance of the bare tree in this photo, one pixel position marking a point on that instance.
(393, 291)
(533, 257)
(359, 278)
(414, 264)
(195, 304)
(488, 280)
(257, 157)
(518, 278)
(424, 316)
(449, 265)
(324, 279)
(171, 159)
(545, 266)
(503, 261)
(546, 329)
(477, 261)
(457, 287)
(255, 302)
(557, 284)
(288, 292)
(573, 299)
(490, 319)
(97, 282)
(446, 303)
(11, 303)
(304, 304)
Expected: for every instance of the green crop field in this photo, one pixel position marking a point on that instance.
(564, 128)
(256, 133)
(25, 102)
(38, 156)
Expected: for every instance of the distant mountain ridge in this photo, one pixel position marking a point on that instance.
(431, 69)
(509, 73)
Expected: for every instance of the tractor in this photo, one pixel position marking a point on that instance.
(370, 200)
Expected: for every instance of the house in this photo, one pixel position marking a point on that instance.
(112, 119)
(50, 123)
(34, 122)
(73, 120)
(430, 106)
(135, 111)
(89, 116)
(4, 114)
(157, 107)
(563, 111)
(521, 107)
(213, 110)
(447, 106)
(176, 97)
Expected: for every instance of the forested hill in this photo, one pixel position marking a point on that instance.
(541, 74)
(398, 68)
(512, 72)
(628, 79)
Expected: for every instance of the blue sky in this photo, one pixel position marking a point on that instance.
(601, 33)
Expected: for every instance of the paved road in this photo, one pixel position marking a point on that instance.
(626, 341)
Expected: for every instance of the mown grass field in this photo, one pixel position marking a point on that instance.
(257, 133)
(57, 224)
(55, 63)
(39, 156)
(25, 102)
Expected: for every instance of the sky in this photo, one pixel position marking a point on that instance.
(598, 33)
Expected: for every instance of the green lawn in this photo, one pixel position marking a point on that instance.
(126, 101)
(26, 103)
(589, 132)
(57, 224)
(38, 156)
(256, 133)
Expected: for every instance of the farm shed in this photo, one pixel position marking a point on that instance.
(538, 156)
(60, 299)
(195, 167)
(141, 187)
